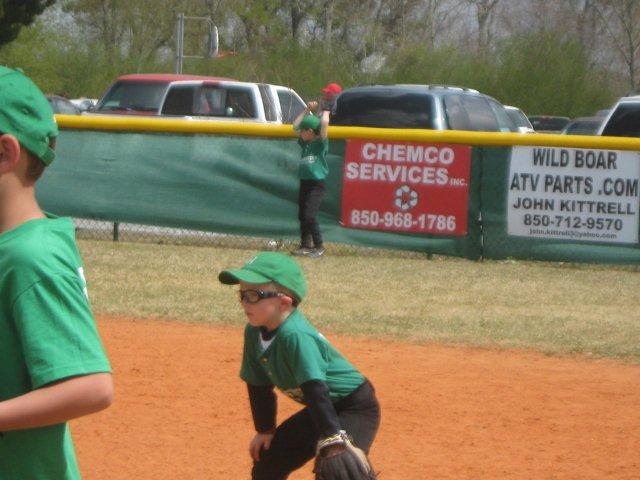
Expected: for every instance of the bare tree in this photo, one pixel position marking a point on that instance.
(102, 18)
(267, 22)
(298, 11)
(328, 21)
(434, 20)
(587, 22)
(622, 21)
(214, 8)
(123, 27)
(484, 12)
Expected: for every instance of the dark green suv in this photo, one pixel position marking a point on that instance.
(433, 107)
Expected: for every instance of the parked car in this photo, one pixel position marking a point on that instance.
(84, 103)
(520, 119)
(434, 107)
(62, 105)
(200, 97)
(548, 123)
(623, 119)
(582, 126)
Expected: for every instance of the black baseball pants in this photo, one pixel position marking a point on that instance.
(295, 439)
(309, 198)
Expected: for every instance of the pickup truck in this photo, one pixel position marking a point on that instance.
(200, 97)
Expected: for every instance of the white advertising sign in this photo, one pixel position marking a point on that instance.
(574, 194)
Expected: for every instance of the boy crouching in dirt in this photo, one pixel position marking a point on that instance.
(282, 349)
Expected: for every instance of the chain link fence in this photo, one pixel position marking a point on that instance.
(87, 229)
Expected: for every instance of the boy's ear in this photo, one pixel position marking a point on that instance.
(286, 300)
(9, 153)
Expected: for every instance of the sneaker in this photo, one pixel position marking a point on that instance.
(316, 252)
(302, 251)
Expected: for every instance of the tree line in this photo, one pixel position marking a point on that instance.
(568, 57)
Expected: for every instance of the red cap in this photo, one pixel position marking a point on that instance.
(332, 88)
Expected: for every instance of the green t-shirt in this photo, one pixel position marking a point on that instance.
(313, 163)
(297, 354)
(47, 333)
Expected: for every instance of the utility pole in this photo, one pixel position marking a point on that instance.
(212, 42)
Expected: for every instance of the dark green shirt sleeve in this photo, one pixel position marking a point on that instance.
(57, 331)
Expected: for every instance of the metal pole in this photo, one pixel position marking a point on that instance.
(179, 43)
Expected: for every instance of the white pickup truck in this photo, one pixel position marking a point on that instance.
(200, 97)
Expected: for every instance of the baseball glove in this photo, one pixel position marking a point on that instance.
(326, 104)
(338, 459)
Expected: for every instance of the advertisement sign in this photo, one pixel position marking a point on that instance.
(406, 187)
(574, 194)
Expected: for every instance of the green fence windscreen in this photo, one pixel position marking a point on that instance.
(529, 202)
(226, 184)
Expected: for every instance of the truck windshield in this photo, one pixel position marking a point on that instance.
(139, 96)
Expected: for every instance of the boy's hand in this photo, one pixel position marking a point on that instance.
(260, 441)
(312, 106)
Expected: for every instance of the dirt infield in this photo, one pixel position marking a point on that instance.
(181, 411)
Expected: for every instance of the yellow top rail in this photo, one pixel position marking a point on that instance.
(125, 123)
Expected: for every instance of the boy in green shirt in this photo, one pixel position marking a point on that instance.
(282, 349)
(52, 364)
(312, 172)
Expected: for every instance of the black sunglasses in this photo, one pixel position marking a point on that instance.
(254, 296)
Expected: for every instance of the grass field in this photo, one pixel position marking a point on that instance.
(554, 308)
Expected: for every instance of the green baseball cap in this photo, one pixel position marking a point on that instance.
(26, 114)
(267, 267)
(310, 121)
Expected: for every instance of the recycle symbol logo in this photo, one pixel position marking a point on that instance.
(406, 198)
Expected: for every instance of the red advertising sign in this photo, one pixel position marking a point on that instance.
(406, 187)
